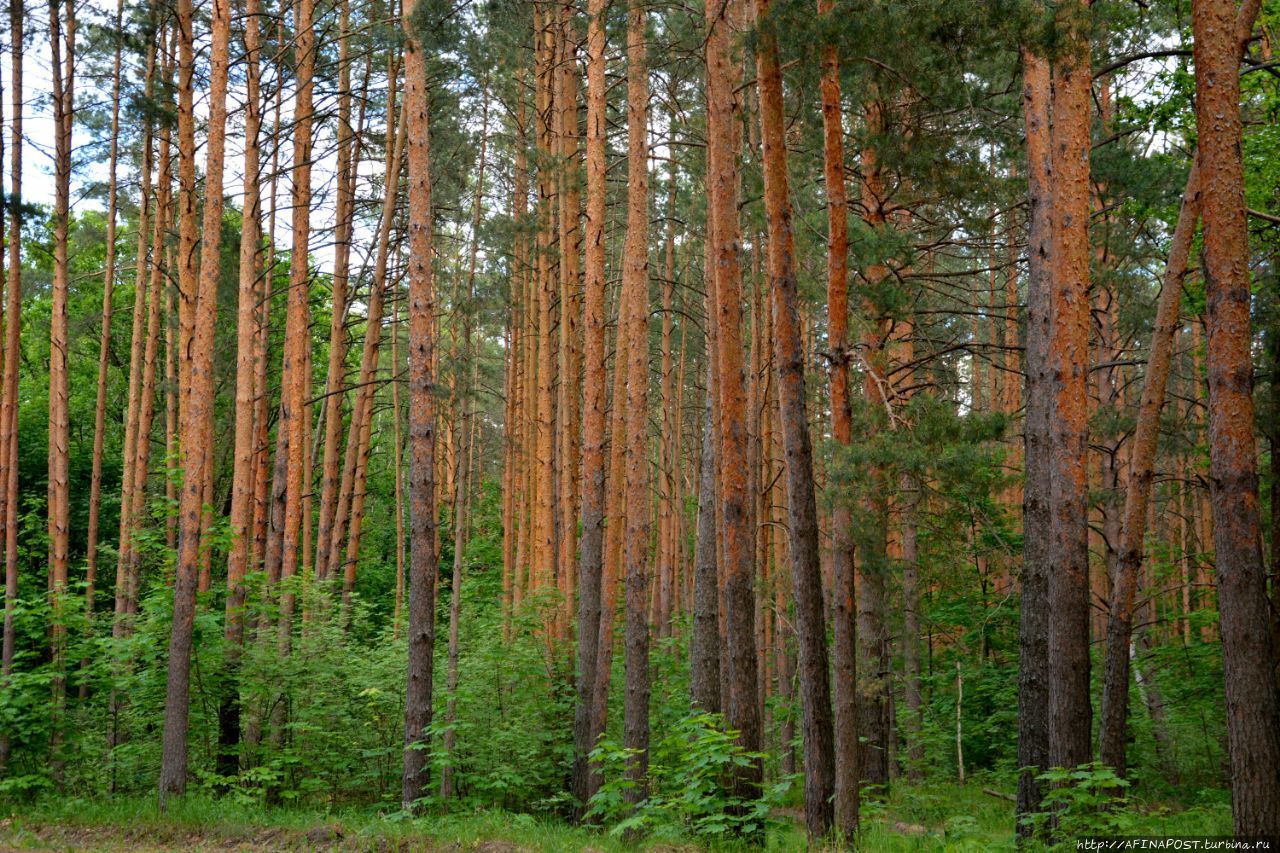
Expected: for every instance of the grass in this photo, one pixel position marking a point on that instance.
(933, 816)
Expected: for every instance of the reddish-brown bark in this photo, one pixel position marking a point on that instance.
(634, 323)
(1248, 656)
(1070, 712)
(1033, 685)
(595, 385)
(844, 650)
(197, 426)
(737, 570)
(422, 532)
(815, 691)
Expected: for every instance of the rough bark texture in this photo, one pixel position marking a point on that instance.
(704, 644)
(422, 426)
(1033, 630)
(1248, 657)
(742, 709)
(62, 45)
(844, 648)
(344, 216)
(806, 573)
(1070, 712)
(595, 383)
(635, 283)
(246, 391)
(198, 424)
(873, 567)
(12, 343)
(104, 338)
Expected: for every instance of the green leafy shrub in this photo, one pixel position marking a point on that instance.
(688, 794)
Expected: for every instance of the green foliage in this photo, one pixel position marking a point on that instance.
(687, 792)
(1086, 800)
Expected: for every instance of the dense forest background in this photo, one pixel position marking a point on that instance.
(737, 421)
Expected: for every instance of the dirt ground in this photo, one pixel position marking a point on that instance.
(154, 839)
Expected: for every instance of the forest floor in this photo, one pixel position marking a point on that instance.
(923, 817)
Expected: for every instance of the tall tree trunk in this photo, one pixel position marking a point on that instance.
(1033, 629)
(422, 558)
(543, 555)
(1115, 689)
(246, 392)
(345, 518)
(1248, 658)
(911, 626)
(806, 572)
(198, 424)
(12, 345)
(872, 569)
(1070, 712)
(595, 387)
(737, 570)
(844, 649)
(569, 368)
(297, 336)
(397, 466)
(62, 46)
(462, 481)
(704, 643)
(344, 215)
(635, 324)
(104, 340)
(142, 336)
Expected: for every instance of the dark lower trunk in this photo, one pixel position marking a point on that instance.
(873, 672)
(704, 644)
(911, 633)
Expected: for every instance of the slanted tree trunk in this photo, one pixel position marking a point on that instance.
(344, 215)
(198, 424)
(422, 555)
(346, 519)
(1248, 658)
(815, 690)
